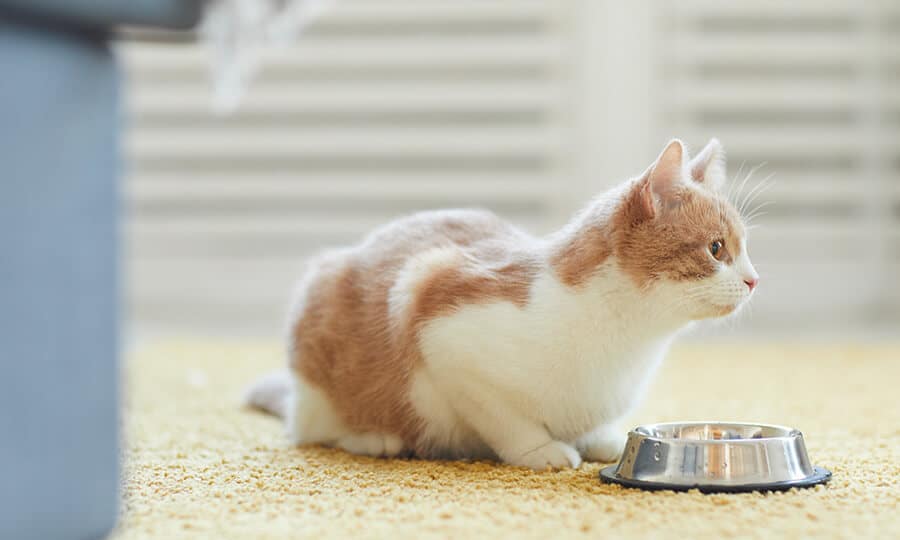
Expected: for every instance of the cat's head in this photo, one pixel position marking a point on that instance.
(679, 235)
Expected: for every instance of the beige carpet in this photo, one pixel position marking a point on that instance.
(197, 466)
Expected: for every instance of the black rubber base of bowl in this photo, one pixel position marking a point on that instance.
(819, 476)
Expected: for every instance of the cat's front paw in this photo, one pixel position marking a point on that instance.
(604, 444)
(553, 455)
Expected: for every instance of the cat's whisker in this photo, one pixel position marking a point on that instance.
(760, 206)
(729, 195)
(759, 189)
(753, 192)
(756, 215)
(743, 182)
(758, 211)
(750, 174)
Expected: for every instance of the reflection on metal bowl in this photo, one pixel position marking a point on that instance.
(715, 457)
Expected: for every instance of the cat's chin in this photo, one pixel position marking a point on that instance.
(717, 312)
(726, 310)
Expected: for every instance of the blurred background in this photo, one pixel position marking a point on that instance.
(527, 107)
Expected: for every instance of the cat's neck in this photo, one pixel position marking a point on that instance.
(591, 231)
(582, 258)
(650, 311)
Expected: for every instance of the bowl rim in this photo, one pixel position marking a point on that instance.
(791, 433)
(820, 475)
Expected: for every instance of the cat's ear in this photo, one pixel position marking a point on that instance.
(668, 172)
(660, 185)
(708, 167)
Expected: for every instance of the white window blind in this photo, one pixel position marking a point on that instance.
(380, 109)
(810, 90)
(385, 107)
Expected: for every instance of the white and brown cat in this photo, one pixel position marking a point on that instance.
(453, 334)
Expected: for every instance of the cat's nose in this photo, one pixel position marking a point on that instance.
(751, 283)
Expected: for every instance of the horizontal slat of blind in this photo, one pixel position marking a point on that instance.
(698, 48)
(392, 11)
(275, 141)
(782, 95)
(182, 188)
(360, 52)
(772, 9)
(460, 96)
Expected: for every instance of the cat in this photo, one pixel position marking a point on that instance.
(453, 334)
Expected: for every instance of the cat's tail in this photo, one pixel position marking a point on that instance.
(270, 393)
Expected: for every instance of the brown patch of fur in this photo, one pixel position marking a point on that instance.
(580, 256)
(449, 288)
(674, 244)
(343, 340)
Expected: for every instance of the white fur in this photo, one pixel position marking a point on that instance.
(417, 268)
(557, 373)
(311, 419)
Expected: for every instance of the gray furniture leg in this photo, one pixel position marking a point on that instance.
(59, 436)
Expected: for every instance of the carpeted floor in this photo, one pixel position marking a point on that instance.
(198, 466)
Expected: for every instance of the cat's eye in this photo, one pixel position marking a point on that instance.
(716, 249)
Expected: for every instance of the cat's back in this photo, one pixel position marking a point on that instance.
(371, 266)
(351, 324)
(481, 234)
(474, 231)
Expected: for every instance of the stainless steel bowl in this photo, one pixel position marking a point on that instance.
(715, 457)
